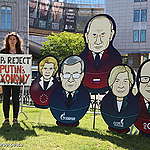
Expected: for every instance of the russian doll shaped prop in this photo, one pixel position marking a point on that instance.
(119, 106)
(43, 86)
(70, 101)
(99, 54)
(143, 83)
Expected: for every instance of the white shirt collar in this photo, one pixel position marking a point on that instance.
(49, 84)
(146, 103)
(72, 93)
(119, 105)
(100, 54)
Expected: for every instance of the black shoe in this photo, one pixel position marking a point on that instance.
(6, 122)
(15, 121)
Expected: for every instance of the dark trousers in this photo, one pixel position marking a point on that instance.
(9, 90)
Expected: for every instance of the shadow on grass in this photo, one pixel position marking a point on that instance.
(16, 132)
(130, 142)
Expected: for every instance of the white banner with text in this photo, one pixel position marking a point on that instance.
(15, 69)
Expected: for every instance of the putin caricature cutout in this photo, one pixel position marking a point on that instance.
(99, 55)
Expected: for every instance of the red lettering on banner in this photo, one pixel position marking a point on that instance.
(1, 68)
(14, 78)
(7, 69)
(27, 77)
(7, 78)
(11, 69)
(22, 78)
(17, 78)
(19, 69)
(2, 76)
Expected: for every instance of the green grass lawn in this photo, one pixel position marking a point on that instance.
(39, 132)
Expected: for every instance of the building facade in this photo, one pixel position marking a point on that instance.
(14, 18)
(62, 16)
(133, 29)
(46, 16)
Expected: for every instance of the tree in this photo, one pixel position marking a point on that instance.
(63, 44)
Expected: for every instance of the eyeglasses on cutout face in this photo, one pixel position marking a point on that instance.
(144, 79)
(74, 75)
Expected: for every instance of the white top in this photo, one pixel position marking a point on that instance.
(49, 84)
(119, 105)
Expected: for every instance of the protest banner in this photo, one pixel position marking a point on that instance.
(15, 69)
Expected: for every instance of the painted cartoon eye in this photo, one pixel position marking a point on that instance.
(44, 68)
(126, 81)
(103, 34)
(94, 35)
(51, 68)
(116, 80)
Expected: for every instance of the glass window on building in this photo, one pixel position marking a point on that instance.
(143, 36)
(5, 18)
(143, 0)
(86, 3)
(136, 17)
(140, 0)
(143, 15)
(135, 35)
(42, 24)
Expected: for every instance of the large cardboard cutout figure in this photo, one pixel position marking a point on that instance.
(70, 101)
(119, 107)
(143, 83)
(99, 55)
(43, 86)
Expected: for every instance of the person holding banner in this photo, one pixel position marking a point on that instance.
(12, 45)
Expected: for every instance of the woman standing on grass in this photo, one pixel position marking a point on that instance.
(12, 45)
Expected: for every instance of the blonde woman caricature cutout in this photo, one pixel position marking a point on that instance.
(119, 106)
(43, 86)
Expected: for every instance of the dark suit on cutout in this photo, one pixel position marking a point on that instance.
(119, 121)
(76, 110)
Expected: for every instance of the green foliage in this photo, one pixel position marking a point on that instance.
(39, 131)
(63, 44)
